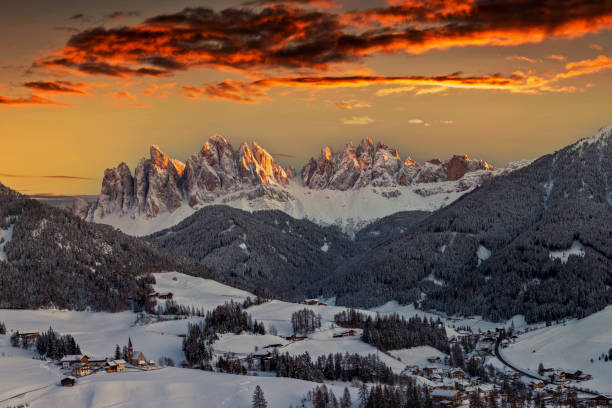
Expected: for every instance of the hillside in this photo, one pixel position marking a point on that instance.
(536, 242)
(51, 258)
(268, 250)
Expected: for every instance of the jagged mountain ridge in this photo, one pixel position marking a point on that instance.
(163, 191)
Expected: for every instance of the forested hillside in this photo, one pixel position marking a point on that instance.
(264, 250)
(56, 259)
(536, 242)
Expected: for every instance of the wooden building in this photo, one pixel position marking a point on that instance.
(68, 381)
(138, 358)
(440, 395)
(115, 366)
(73, 360)
(81, 370)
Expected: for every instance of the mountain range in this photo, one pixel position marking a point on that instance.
(535, 241)
(349, 188)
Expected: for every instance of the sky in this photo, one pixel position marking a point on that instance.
(86, 85)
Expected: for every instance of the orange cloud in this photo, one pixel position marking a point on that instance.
(159, 91)
(521, 58)
(30, 100)
(357, 120)
(237, 91)
(586, 67)
(351, 104)
(557, 57)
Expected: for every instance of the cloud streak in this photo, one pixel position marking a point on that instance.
(59, 177)
(28, 101)
(55, 87)
(517, 82)
(357, 120)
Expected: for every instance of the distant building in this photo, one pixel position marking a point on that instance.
(73, 360)
(115, 366)
(29, 335)
(440, 395)
(81, 370)
(68, 381)
(138, 358)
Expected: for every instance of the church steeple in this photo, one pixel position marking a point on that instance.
(130, 348)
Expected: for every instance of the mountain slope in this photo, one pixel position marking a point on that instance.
(498, 251)
(349, 188)
(53, 258)
(264, 249)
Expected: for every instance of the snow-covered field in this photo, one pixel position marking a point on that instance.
(170, 387)
(569, 347)
(197, 292)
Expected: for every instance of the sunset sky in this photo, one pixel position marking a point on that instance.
(85, 85)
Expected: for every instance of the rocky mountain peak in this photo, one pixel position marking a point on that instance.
(380, 165)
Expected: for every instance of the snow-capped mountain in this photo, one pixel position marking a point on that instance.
(348, 188)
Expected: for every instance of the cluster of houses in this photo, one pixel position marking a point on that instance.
(81, 365)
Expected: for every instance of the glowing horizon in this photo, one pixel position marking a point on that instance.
(83, 88)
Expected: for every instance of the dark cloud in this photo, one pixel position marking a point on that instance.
(55, 86)
(283, 36)
(79, 16)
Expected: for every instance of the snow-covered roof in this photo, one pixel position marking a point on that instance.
(71, 357)
(444, 393)
(120, 361)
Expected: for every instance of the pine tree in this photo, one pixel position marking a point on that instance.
(258, 398)
(363, 395)
(345, 401)
(2, 328)
(117, 352)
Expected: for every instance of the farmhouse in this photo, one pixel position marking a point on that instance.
(440, 395)
(346, 333)
(73, 360)
(29, 336)
(115, 366)
(458, 373)
(81, 370)
(601, 400)
(97, 361)
(167, 296)
(68, 381)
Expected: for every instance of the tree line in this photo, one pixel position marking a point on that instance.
(394, 332)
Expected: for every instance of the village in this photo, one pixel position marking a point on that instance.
(476, 367)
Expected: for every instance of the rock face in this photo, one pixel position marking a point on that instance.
(248, 177)
(380, 167)
(161, 184)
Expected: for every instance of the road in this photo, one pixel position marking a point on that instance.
(528, 374)
(506, 363)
